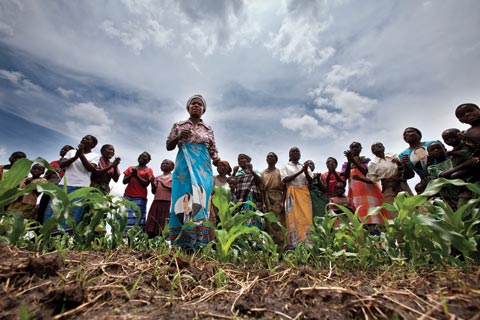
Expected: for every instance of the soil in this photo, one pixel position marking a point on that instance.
(128, 284)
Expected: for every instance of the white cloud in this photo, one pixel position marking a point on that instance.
(139, 35)
(65, 92)
(299, 39)
(87, 118)
(338, 106)
(340, 73)
(19, 80)
(307, 126)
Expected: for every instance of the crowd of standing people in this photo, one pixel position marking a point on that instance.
(293, 192)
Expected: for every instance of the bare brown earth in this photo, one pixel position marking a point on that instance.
(125, 284)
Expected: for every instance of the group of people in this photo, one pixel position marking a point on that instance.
(294, 192)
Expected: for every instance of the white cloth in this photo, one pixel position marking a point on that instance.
(379, 168)
(291, 168)
(75, 173)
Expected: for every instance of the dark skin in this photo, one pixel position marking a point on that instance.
(222, 170)
(108, 153)
(245, 164)
(294, 155)
(470, 114)
(62, 153)
(437, 152)
(143, 159)
(167, 167)
(317, 177)
(332, 166)
(413, 139)
(379, 150)
(85, 146)
(271, 166)
(195, 110)
(451, 138)
(13, 158)
(36, 171)
(271, 162)
(353, 155)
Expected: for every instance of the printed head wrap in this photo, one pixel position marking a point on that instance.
(243, 155)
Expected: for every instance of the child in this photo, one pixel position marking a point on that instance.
(160, 209)
(106, 170)
(340, 199)
(438, 162)
(13, 158)
(27, 204)
(469, 113)
(459, 154)
(232, 183)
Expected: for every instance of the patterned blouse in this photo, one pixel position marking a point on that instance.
(201, 133)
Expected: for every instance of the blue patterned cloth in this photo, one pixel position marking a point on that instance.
(192, 185)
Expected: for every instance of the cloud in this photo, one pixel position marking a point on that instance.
(338, 107)
(299, 38)
(6, 29)
(18, 80)
(88, 118)
(307, 126)
(341, 73)
(65, 92)
(205, 25)
(137, 35)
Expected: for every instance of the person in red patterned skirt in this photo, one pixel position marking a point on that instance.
(160, 208)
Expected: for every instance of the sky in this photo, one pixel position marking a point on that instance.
(276, 74)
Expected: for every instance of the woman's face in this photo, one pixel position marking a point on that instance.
(294, 154)
(355, 149)
(242, 161)
(311, 165)
(143, 158)
(331, 164)
(378, 149)
(108, 152)
(64, 150)
(196, 107)
(88, 141)
(410, 135)
(436, 151)
(222, 168)
(271, 159)
(166, 165)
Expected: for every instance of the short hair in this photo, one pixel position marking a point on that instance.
(18, 155)
(274, 154)
(148, 154)
(333, 159)
(105, 146)
(414, 129)
(249, 159)
(355, 142)
(467, 105)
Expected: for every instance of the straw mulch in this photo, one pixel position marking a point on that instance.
(125, 284)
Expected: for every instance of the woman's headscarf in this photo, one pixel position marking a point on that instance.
(226, 164)
(243, 155)
(197, 96)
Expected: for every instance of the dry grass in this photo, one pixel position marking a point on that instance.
(127, 284)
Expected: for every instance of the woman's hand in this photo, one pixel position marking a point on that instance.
(185, 134)
(116, 162)
(349, 155)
